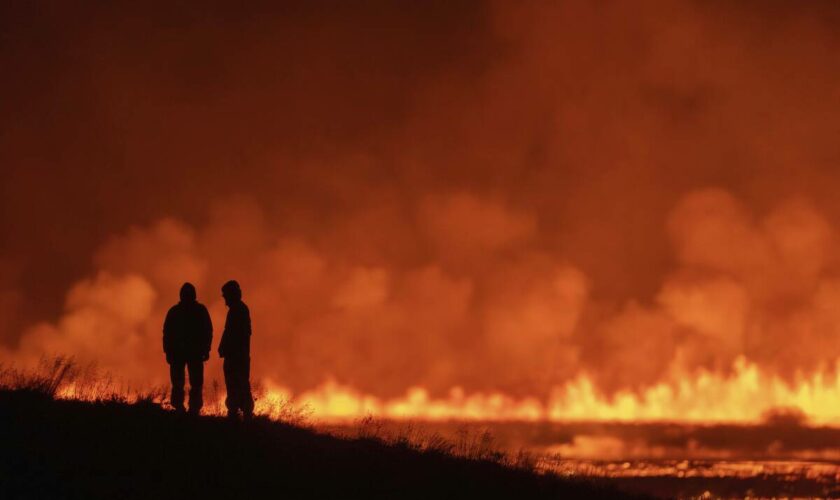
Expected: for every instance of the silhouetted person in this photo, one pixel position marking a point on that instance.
(235, 348)
(187, 335)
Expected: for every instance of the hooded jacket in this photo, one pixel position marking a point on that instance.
(187, 329)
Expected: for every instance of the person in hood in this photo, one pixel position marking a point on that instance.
(187, 335)
(235, 348)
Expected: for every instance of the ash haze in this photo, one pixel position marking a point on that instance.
(497, 196)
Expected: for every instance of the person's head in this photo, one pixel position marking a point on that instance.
(187, 292)
(231, 292)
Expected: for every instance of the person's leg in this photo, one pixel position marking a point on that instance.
(196, 369)
(230, 386)
(176, 376)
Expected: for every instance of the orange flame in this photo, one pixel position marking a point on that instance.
(744, 397)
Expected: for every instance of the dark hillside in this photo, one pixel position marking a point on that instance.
(73, 449)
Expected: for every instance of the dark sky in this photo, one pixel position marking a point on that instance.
(116, 114)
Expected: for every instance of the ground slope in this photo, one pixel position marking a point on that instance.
(71, 449)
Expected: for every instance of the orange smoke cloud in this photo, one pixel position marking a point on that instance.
(525, 327)
(502, 198)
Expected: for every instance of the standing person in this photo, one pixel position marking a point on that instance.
(187, 334)
(235, 348)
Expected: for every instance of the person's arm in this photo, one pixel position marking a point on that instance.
(208, 333)
(225, 335)
(167, 334)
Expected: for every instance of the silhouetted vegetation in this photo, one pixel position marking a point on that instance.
(109, 447)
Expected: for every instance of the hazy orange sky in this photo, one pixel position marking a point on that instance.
(492, 195)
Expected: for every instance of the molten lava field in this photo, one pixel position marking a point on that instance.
(781, 457)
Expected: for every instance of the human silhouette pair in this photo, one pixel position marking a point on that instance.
(187, 337)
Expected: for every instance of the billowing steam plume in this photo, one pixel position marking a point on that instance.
(499, 197)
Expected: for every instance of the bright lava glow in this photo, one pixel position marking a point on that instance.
(744, 397)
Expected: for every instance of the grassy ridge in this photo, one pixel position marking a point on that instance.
(73, 449)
